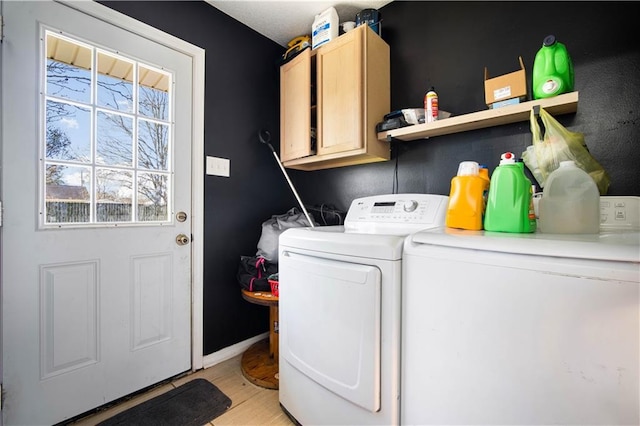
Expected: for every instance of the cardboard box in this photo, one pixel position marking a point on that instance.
(500, 104)
(504, 87)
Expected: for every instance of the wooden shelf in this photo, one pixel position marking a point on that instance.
(561, 104)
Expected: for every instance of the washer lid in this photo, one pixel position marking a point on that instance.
(615, 246)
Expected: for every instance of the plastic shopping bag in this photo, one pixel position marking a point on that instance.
(558, 144)
(276, 225)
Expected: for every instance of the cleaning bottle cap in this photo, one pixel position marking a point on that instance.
(507, 158)
(549, 40)
(468, 168)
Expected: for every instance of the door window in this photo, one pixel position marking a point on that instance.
(106, 139)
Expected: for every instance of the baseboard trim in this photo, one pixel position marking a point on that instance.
(231, 351)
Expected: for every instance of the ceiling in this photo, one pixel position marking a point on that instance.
(282, 21)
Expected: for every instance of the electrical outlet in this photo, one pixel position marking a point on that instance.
(217, 166)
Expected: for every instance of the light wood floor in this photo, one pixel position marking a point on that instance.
(251, 404)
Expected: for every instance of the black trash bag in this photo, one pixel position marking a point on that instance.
(254, 271)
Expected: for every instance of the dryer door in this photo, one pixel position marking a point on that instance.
(330, 324)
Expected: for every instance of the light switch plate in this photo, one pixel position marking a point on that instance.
(217, 166)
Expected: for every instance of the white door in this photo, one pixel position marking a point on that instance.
(96, 153)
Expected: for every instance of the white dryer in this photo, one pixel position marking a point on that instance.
(339, 311)
(520, 329)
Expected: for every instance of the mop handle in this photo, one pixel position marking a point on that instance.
(284, 172)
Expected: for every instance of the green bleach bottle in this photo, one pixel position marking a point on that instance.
(510, 202)
(552, 70)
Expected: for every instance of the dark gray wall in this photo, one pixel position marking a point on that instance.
(444, 44)
(448, 44)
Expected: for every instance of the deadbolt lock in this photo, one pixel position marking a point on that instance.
(181, 216)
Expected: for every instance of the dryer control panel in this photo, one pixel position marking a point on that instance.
(396, 213)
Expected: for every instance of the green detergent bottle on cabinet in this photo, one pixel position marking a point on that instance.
(510, 202)
(552, 70)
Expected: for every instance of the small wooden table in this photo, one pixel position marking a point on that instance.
(260, 361)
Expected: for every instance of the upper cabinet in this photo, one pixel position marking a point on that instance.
(331, 100)
(295, 104)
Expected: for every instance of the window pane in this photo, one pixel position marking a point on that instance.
(68, 129)
(68, 69)
(113, 195)
(67, 194)
(152, 94)
(108, 136)
(115, 83)
(114, 139)
(153, 145)
(152, 197)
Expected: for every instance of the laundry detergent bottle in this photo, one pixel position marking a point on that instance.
(467, 197)
(552, 70)
(510, 202)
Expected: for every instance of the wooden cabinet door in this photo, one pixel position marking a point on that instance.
(295, 107)
(340, 94)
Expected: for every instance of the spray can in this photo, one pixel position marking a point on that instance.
(430, 106)
(552, 70)
(466, 199)
(510, 202)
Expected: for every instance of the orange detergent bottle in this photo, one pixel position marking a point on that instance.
(467, 198)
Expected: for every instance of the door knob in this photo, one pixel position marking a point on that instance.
(182, 240)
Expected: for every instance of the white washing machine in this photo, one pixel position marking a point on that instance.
(339, 307)
(523, 328)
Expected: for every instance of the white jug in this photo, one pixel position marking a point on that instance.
(324, 28)
(570, 202)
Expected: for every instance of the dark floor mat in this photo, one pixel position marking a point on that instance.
(193, 404)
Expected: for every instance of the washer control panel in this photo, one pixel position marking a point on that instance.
(619, 213)
(402, 211)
